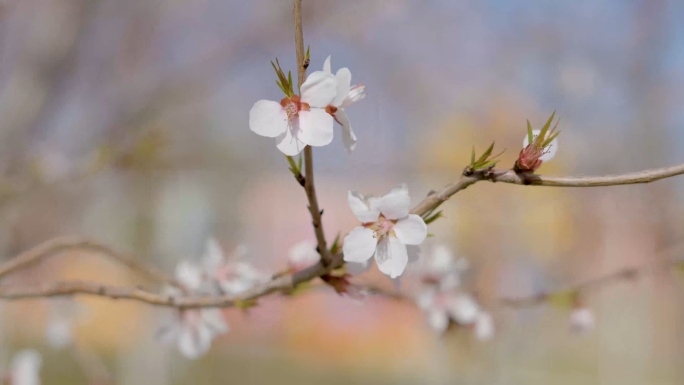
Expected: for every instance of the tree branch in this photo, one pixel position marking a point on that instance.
(309, 185)
(435, 199)
(58, 245)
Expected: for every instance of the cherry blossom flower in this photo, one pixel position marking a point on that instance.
(302, 255)
(232, 275)
(346, 96)
(192, 330)
(298, 121)
(440, 267)
(63, 314)
(387, 227)
(582, 320)
(443, 306)
(25, 368)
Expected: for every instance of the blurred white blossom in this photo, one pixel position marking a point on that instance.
(233, 275)
(64, 312)
(25, 368)
(582, 320)
(387, 227)
(302, 255)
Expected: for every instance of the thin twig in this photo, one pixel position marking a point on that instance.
(433, 200)
(58, 245)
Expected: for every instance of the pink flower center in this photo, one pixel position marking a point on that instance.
(382, 227)
(293, 105)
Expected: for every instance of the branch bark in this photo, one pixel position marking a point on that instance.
(309, 185)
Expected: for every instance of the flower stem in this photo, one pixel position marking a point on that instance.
(309, 186)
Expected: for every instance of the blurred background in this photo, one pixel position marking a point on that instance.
(126, 121)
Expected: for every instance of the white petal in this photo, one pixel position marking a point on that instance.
(391, 256)
(214, 321)
(267, 118)
(326, 65)
(189, 275)
(348, 137)
(484, 326)
(194, 342)
(411, 230)
(582, 320)
(343, 77)
(438, 320)
(170, 331)
(426, 298)
(25, 368)
(289, 144)
(319, 89)
(302, 255)
(315, 127)
(359, 245)
(464, 309)
(213, 256)
(362, 207)
(395, 204)
(356, 93)
(358, 268)
(550, 150)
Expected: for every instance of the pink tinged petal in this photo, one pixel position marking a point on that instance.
(355, 94)
(358, 268)
(326, 65)
(343, 77)
(411, 230)
(359, 245)
(315, 127)
(463, 309)
(267, 118)
(362, 207)
(395, 204)
(438, 320)
(319, 89)
(289, 144)
(391, 256)
(348, 137)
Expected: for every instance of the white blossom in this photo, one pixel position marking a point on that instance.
(233, 275)
(302, 255)
(440, 267)
(298, 121)
(192, 330)
(443, 306)
(549, 151)
(25, 368)
(346, 96)
(387, 227)
(582, 320)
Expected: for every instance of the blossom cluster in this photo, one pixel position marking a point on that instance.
(193, 330)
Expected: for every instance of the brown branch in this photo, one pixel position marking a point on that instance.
(55, 289)
(309, 185)
(58, 245)
(433, 200)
